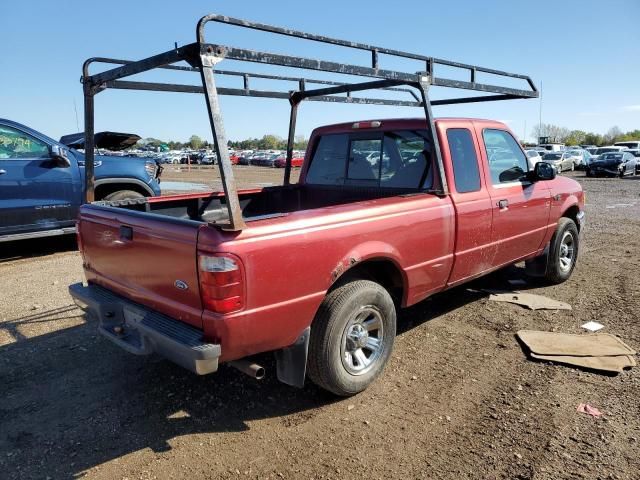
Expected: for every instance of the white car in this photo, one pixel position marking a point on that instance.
(533, 157)
(580, 157)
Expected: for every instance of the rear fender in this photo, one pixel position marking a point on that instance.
(366, 255)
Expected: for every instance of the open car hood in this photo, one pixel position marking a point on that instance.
(108, 140)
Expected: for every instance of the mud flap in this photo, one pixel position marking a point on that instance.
(537, 267)
(291, 362)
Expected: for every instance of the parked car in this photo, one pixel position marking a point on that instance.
(533, 157)
(296, 161)
(42, 180)
(265, 160)
(636, 153)
(613, 164)
(580, 157)
(350, 260)
(560, 160)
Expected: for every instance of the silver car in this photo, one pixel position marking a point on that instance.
(560, 160)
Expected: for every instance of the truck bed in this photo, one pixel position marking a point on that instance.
(256, 204)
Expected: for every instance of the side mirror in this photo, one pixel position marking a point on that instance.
(543, 171)
(60, 156)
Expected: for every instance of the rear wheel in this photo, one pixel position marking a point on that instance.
(352, 337)
(563, 252)
(123, 195)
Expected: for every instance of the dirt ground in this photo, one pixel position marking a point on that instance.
(458, 399)
(246, 176)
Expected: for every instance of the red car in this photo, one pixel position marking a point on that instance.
(281, 161)
(327, 262)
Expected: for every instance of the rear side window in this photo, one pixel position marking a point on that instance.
(394, 159)
(328, 163)
(466, 173)
(507, 162)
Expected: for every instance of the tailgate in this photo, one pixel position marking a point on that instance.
(147, 258)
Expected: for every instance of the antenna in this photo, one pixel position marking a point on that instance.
(75, 107)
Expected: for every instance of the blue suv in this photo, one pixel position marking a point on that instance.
(42, 182)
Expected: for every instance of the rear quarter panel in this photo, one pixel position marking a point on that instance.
(291, 262)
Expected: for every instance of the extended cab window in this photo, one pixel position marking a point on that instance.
(466, 173)
(16, 144)
(507, 162)
(395, 159)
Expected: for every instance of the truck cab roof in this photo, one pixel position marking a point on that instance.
(397, 123)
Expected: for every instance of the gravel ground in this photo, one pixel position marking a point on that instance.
(458, 399)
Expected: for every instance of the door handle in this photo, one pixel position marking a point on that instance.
(504, 203)
(2, 172)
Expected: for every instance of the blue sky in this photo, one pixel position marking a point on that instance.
(585, 53)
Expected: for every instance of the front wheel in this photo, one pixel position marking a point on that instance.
(563, 252)
(352, 337)
(123, 195)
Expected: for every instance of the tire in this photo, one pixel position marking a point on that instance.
(347, 320)
(563, 252)
(589, 174)
(123, 195)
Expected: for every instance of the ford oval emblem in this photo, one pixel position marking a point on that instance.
(181, 285)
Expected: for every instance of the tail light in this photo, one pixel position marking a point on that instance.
(221, 283)
(373, 124)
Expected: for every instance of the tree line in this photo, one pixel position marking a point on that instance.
(267, 142)
(558, 134)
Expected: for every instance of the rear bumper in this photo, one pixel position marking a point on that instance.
(142, 331)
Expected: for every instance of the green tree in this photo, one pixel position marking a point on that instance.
(575, 137)
(195, 142)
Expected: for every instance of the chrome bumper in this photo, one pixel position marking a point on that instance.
(142, 331)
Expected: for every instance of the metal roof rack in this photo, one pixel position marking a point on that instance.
(203, 57)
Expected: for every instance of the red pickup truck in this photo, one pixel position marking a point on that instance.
(385, 214)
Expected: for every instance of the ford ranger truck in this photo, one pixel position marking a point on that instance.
(42, 180)
(323, 266)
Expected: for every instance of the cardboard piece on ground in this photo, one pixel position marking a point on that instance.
(592, 326)
(599, 351)
(534, 302)
(615, 364)
(590, 345)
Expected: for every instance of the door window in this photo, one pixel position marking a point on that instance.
(16, 144)
(466, 173)
(507, 161)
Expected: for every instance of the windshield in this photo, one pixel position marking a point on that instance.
(612, 156)
(600, 151)
(552, 156)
